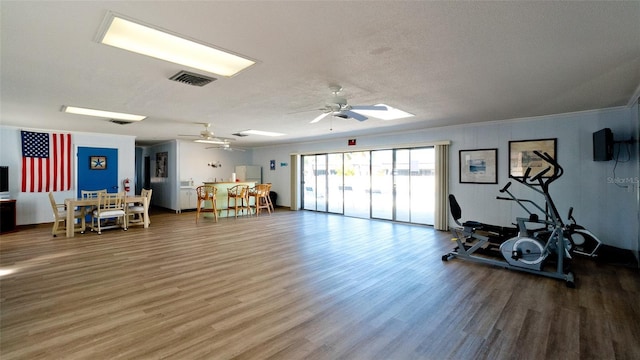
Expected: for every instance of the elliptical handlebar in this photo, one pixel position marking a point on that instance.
(557, 169)
(505, 187)
(540, 184)
(538, 176)
(537, 179)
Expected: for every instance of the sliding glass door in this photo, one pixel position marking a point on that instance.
(314, 182)
(335, 183)
(357, 184)
(382, 187)
(308, 183)
(392, 184)
(423, 185)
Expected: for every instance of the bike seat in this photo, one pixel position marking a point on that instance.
(473, 224)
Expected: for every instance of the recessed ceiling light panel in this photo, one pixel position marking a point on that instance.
(130, 35)
(260, 132)
(102, 113)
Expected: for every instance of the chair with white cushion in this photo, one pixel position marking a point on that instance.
(91, 194)
(135, 211)
(111, 207)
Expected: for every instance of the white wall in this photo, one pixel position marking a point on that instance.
(188, 160)
(194, 158)
(609, 211)
(606, 209)
(33, 208)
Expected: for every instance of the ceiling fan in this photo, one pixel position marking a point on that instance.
(337, 106)
(208, 136)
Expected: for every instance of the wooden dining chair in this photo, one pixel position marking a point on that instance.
(91, 194)
(206, 193)
(60, 218)
(135, 211)
(110, 206)
(239, 194)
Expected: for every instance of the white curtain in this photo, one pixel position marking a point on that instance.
(295, 181)
(441, 217)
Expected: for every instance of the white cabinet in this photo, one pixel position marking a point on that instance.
(187, 198)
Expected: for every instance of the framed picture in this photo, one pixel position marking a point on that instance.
(479, 166)
(161, 164)
(522, 157)
(97, 162)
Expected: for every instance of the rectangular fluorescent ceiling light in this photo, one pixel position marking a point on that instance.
(390, 114)
(260, 132)
(102, 113)
(128, 35)
(217, 142)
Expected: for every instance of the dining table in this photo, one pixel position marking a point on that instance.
(72, 203)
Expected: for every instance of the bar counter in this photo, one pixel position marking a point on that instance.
(221, 195)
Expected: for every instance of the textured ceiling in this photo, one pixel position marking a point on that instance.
(446, 62)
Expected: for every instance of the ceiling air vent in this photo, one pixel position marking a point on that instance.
(120, 122)
(239, 134)
(190, 78)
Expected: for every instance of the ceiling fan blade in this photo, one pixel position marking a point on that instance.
(225, 148)
(355, 115)
(210, 141)
(225, 139)
(320, 117)
(370, 108)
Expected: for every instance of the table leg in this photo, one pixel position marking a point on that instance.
(145, 205)
(69, 223)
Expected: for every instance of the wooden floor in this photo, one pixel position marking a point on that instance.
(297, 285)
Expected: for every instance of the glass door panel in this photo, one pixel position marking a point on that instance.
(396, 184)
(321, 182)
(382, 202)
(402, 183)
(335, 183)
(308, 182)
(423, 187)
(356, 184)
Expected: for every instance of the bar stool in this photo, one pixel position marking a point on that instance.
(240, 196)
(269, 197)
(206, 193)
(261, 198)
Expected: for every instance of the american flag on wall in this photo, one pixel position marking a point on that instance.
(46, 162)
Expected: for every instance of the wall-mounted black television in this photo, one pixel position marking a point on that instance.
(603, 145)
(4, 178)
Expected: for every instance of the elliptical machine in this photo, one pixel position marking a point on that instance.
(531, 249)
